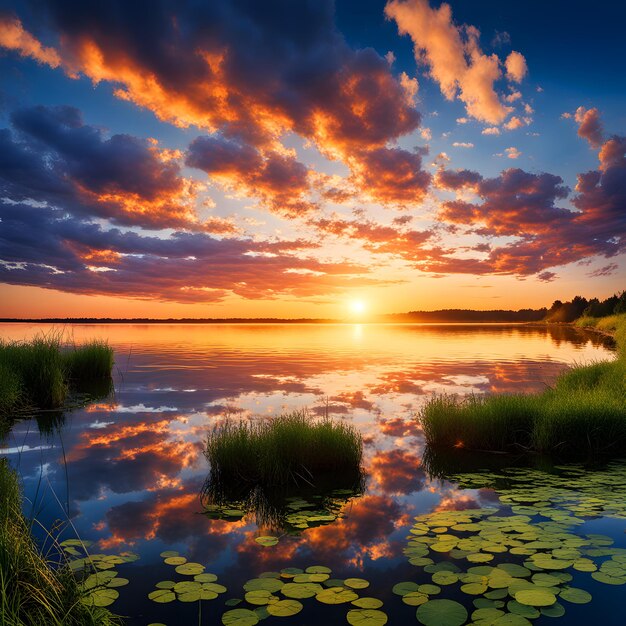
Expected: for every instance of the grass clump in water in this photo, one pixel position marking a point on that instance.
(583, 413)
(89, 361)
(32, 592)
(289, 448)
(38, 373)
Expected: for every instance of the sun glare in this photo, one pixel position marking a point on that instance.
(357, 307)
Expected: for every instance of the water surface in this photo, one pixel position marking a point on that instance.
(128, 470)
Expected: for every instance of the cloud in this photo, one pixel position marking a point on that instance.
(512, 153)
(607, 270)
(590, 126)
(278, 180)
(41, 247)
(491, 130)
(243, 76)
(523, 206)
(462, 144)
(546, 277)
(516, 68)
(53, 157)
(14, 37)
(453, 56)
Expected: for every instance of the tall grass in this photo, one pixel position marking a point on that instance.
(40, 368)
(38, 373)
(584, 412)
(290, 448)
(89, 361)
(32, 592)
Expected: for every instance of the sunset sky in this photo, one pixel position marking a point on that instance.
(292, 158)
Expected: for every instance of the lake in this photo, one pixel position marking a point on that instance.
(128, 471)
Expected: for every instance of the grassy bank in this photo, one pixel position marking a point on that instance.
(38, 374)
(32, 592)
(583, 413)
(289, 448)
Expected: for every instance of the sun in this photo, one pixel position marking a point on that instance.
(358, 307)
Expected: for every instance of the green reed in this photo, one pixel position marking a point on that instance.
(37, 374)
(33, 591)
(89, 361)
(584, 412)
(296, 447)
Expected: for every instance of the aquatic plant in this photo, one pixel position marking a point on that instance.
(515, 562)
(32, 591)
(37, 374)
(293, 448)
(39, 365)
(89, 361)
(584, 412)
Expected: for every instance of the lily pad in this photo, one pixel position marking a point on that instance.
(356, 583)
(414, 598)
(575, 596)
(403, 588)
(284, 608)
(441, 613)
(162, 596)
(366, 617)
(190, 569)
(535, 597)
(267, 540)
(102, 597)
(240, 617)
(301, 590)
(336, 595)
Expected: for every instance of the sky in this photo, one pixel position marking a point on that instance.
(246, 158)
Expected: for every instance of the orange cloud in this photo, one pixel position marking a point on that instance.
(516, 68)
(453, 56)
(14, 37)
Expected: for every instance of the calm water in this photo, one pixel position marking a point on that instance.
(130, 468)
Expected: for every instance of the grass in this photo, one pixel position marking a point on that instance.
(89, 361)
(38, 373)
(32, 592)
(584, 412)
(290, 448)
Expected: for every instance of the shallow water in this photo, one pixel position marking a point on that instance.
(130, 469)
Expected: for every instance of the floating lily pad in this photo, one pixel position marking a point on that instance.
(301, 590)
(284, 608)
(336, 595)
(575, 596)
(165, 584)
(356, 583)
(269, 584)
(267, 540)
(259, 597)
(403, 588)
(318, 569)
(240, 617)
(169, 553)
(101, 597)
(205, 578)
(535, 597)
(118, 582)
(175, 560)
(190, 569)
(162, 596)
(366, 617)
(441, 613)
(414, 598)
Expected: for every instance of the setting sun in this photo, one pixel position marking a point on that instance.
(358, 307)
